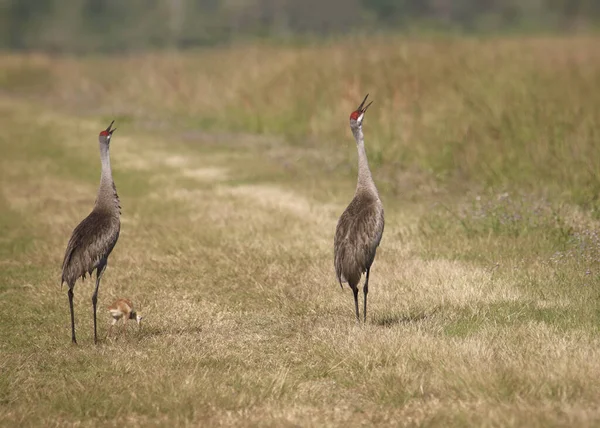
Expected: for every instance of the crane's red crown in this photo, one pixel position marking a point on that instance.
(361, 109)
(108, 131)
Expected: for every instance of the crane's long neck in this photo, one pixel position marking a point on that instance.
(365, 180)
(107, 193)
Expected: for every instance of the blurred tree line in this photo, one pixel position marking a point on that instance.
(113, 25)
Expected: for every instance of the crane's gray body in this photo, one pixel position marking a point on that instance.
(360, 227)
(94, 238)
(357, 236)
(90, 245)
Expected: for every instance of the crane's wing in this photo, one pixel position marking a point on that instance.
(357, 235)
(92, 241)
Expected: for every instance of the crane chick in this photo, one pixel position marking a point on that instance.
(123, 309)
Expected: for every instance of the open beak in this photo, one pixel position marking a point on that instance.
(362, 109)
(109, 130)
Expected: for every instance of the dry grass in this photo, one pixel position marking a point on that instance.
(496, 111)
(483, 305)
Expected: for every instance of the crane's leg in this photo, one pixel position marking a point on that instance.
(70, 292)
(355, 291)
(366, 291)
(99, 272)
(114, 321)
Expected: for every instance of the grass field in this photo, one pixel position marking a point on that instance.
(233, 166)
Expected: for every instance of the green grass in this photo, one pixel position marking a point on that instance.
(233, 166)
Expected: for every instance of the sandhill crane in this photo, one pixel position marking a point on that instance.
(95, 237)
(123, 308)
(360, 226)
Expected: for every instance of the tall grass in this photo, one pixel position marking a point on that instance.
(494, 112)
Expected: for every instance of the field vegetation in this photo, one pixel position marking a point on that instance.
(233, 165)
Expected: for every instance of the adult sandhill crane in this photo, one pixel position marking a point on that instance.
(123, 309)
(360, 226)
(95, 237)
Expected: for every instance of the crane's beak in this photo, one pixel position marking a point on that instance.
(110, 131)
(362, 109)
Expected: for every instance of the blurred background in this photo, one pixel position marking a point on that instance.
(117, 25)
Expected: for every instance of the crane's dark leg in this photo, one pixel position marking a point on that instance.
(70, 292)
(355, 291)
(366, 290)
(99, 272)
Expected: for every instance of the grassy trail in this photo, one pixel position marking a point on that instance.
(481, 312)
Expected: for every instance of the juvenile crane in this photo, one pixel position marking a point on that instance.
(123, 309)
(360, 226)
(95, 237)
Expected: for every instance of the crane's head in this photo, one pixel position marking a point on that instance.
(356, 117)
(106, 134)
(137, 317)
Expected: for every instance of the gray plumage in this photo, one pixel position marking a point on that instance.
(360, 227)
(95, 237)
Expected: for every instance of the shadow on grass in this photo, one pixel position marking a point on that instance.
(388, 320)
(151, 332)
(154, 331)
